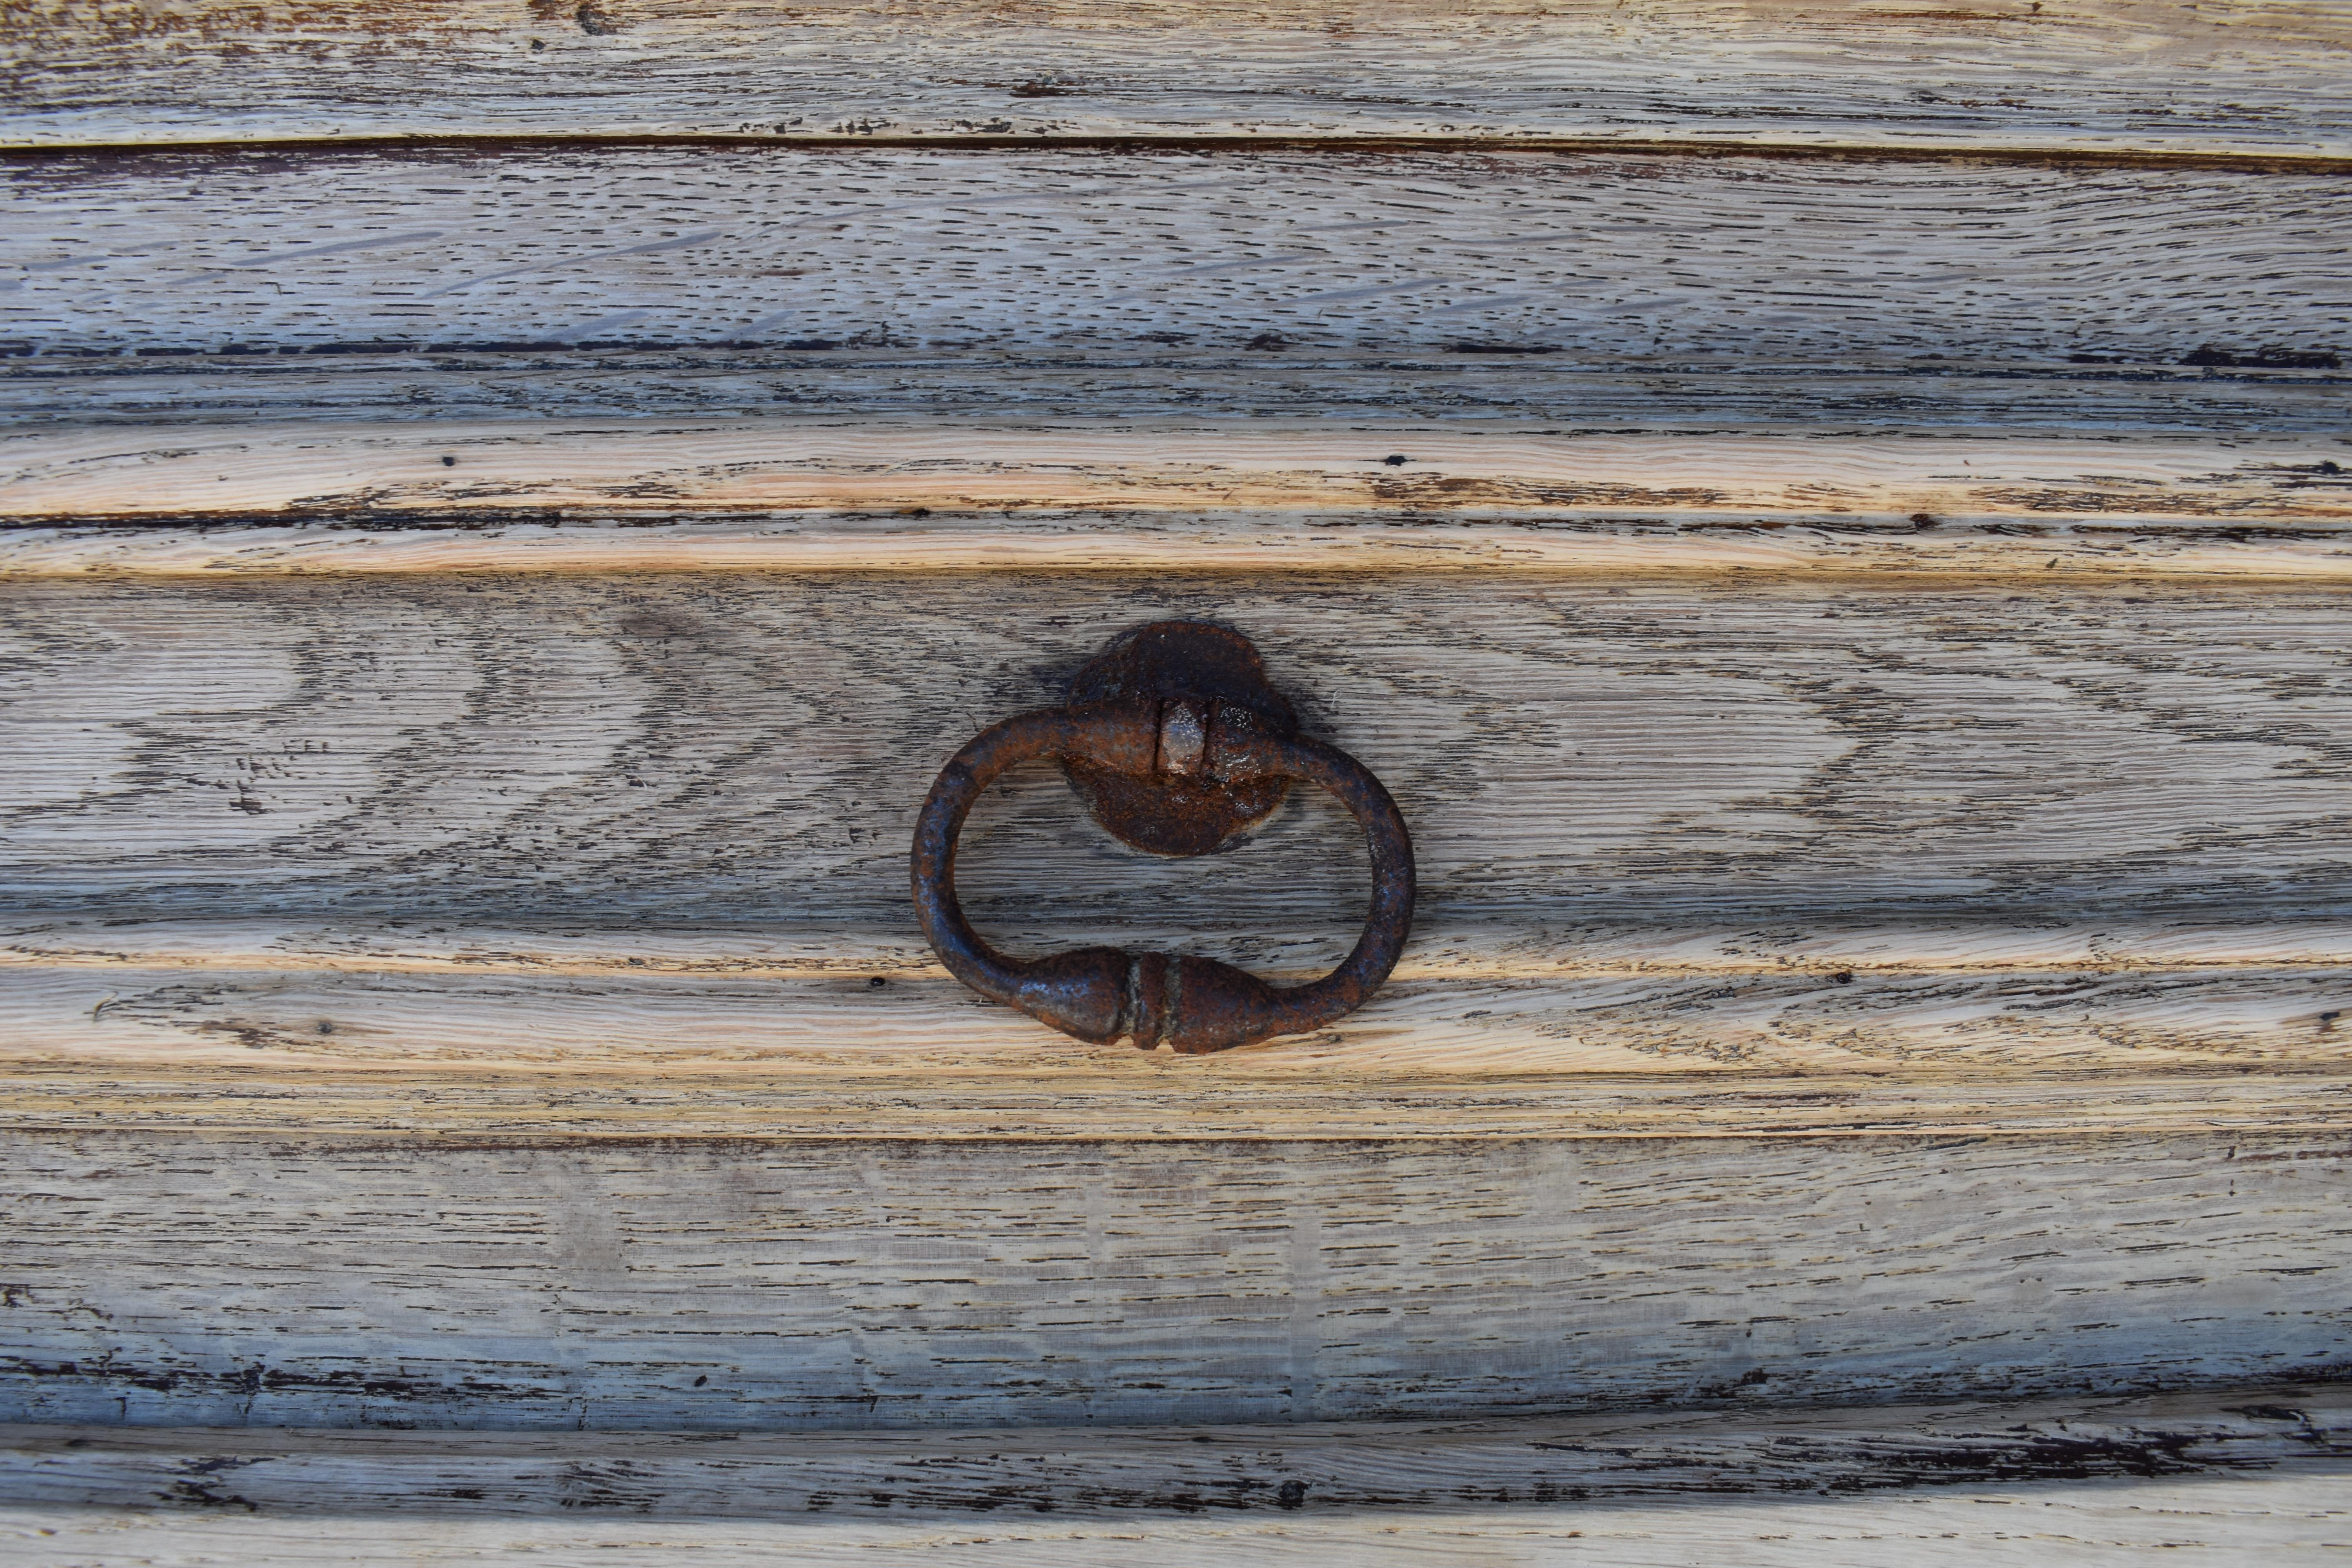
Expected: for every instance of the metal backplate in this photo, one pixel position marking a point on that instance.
(1171, 814)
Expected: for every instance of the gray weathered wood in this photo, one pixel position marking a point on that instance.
(2293, 1516)
(1597, 257)
(673, 747)
(675, 1283)
(1158, 385)
(2085, 74)
(1729, 1064)
(1307, 1470)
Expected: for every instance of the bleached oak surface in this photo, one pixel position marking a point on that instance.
(2286, 1432)
(1597, 257)
(2127, 74)
(718, 1284)
(831, 495)
(1494, 1032)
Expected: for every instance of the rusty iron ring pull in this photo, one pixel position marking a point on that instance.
(1178, 745)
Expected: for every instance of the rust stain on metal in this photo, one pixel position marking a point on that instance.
(1178, 745)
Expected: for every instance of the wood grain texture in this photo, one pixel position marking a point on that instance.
(315, 1281)
(1169, 388)
(2036, 552)
(2291, 1517)
(1047, 1094)
(1086, 494)
(1597, 258)
(687, 797)
(1308, 1470)
(667, 748)
(2131, 74)
(1760, 1054)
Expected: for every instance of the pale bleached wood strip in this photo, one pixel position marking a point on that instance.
(1050, 1092)
(2103, 75)
(2070, 540)
(1047, 1095)
(1458, 950)
(1845, 1023)
(1597, 258)
(2288, 1517)
(304, 1280)
(663, 750)
(1313, 1467)
(847, 495)
(1162, 386)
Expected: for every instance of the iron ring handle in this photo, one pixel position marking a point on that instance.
(1191, 1004)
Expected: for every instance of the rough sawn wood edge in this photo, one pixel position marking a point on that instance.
(1421, 1464)
(1441, 948)
(899, 495)
(1068, 1099)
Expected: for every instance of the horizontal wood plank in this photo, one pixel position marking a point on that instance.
(1159, 387)
(1596, 257)
(811, 496)
(1444, 950)
(1986, 1030)
(515, 1096)
(1725, 1060)
(1307, 1469)
(1849, 865)
(668, 749)
(2289, 1516)
(2080, 75)
(348, 535)
(311, 1279)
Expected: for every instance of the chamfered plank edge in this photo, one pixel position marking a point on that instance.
(2286, 1516)
(943, 1284)
(883, 495)
(1150, 384)
(1446, 946)
(1316, 1466)
(1068, 1099)
(890, 537)
(1487, 1031)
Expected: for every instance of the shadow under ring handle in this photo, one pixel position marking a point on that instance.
(1191, 1004)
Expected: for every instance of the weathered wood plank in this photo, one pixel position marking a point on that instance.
(2018, 1021)
(1443, 950)
(1171, 388)
(753, 493)
(714, 1285)
(673, 748)
(1049, 1092)
(1311, 1469)
(2129, 75)
(2289, 1516)
(775, 1032)
(2047, 552)
(1601, 257)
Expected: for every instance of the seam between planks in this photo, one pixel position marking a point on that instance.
(493, 144)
